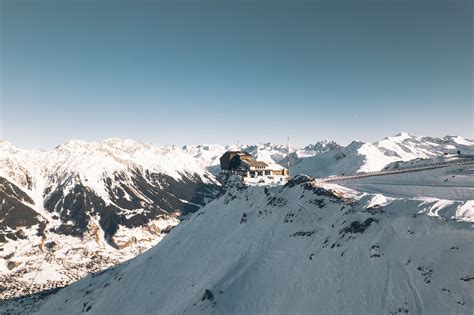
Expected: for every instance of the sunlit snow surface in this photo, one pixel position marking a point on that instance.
(303, 248)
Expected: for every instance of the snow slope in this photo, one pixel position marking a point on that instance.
(299, 249)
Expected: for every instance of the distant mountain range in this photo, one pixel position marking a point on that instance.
(367, 157)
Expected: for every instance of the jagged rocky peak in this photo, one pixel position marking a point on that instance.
(322, 146)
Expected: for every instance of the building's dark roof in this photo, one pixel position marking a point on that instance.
(250, 162)
(229, 156)
(233, 153)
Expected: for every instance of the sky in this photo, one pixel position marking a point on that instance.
(190, 72)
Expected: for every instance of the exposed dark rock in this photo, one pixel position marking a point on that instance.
(12, 264)
(297, 180)
(167, 229)
(318, 202)
(14, 212)
(426, 272)
(375, 209)
(208, 296)
(10, 189)
(357, 227)
(303, 233)
(244, 218)
(50, 245)
(374, 251)
(289, 218)
(309, 186)
(277, 202)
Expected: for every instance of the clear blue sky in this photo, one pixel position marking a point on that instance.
(217, 71)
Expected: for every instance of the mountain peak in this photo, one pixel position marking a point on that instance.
(403, 134)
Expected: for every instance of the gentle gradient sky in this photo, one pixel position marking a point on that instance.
(177, 72)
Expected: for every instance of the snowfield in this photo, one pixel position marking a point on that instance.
(299, 249)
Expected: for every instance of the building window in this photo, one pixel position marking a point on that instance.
(260, 173)
(267, 172)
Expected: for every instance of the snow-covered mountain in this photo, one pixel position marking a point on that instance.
(303, 248)
(85, 206)
(360, 157)
(96, 204)
(119, 182)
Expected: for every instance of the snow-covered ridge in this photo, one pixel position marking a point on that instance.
(113, 154)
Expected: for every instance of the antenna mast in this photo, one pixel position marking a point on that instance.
(288, 151)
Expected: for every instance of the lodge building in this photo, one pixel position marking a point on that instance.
(243, 164)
